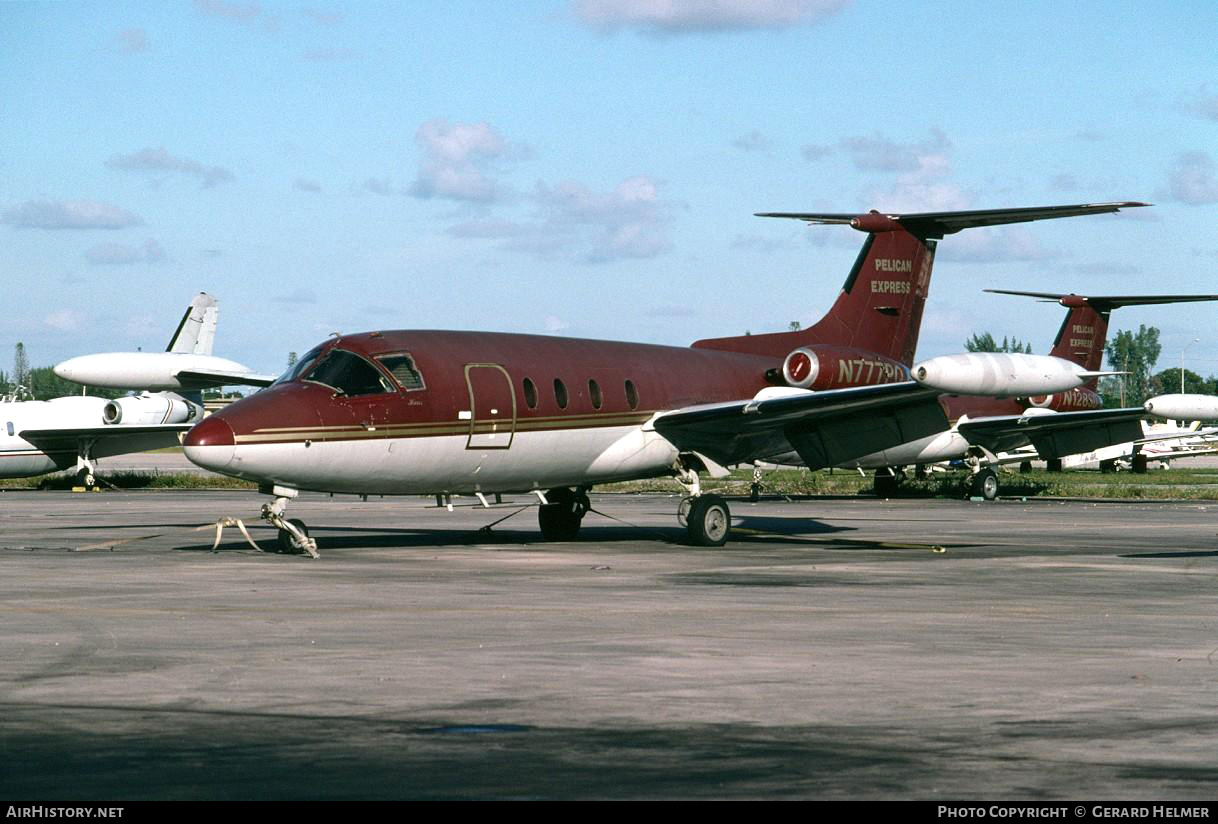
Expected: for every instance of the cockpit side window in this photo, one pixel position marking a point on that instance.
(349, 374)
(297, 369)
(401, 365)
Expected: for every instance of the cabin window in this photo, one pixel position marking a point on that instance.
(632, 395)
(594, 392)
(10, 427)
(560, 393)
(402, 367)
(530, 393)
(348, 374)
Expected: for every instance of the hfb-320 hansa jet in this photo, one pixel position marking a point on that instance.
(1057, 424)
(440, 412)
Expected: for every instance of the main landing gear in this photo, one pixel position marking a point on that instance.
(984, 484)
(706, 518)
(560, 518)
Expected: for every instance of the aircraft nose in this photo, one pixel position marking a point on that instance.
(210, 444)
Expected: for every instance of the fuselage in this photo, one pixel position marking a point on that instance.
(465, 412)
(21, 459)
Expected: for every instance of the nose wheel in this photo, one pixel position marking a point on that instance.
(288, 543)
(293, 537)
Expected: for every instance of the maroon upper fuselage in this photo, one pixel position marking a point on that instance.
(546, 382)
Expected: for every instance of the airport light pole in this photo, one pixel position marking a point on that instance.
(1182, 351)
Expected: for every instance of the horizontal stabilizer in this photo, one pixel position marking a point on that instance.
(938, 224)
(1103, 303)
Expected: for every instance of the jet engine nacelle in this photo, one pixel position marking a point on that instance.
(149, 409)
(833, 367)
(801, 368)
(1000, 375)
(1184, 407)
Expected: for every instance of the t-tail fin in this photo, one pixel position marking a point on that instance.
(880, 306)
(1084, 332)
(196, 333)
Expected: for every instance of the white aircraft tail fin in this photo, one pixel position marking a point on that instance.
(196, 333)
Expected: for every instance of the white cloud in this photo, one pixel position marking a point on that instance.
(554, 324)
(631, 221)
(64, 320)
(296, 296)
(378, 187)
(754, 141)
(878, 153)
(241, 12)
(1192, 179)
(133, 40)
(994, 245)
(457, 158)
(159, 160)
(68, 214)
(682, 16)
(118, 254)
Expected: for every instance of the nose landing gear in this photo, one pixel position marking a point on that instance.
(293, 535)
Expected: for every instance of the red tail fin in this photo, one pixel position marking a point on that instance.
(880, 305)
(1084, 332)
(879, 308)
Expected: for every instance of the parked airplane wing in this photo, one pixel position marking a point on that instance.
(206, 379)
(158, 435)
(1055, 435)
(826, 428)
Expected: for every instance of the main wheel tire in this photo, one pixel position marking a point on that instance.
(1108, 466)
(886, 484)
(560, 518)
(709, 522)
(985, 484)
(285, 542)
(1139, 463)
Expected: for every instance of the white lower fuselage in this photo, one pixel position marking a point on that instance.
(447, 464)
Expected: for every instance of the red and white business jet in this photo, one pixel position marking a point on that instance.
(478, 413)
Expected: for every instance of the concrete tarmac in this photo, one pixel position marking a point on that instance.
(1049, 651)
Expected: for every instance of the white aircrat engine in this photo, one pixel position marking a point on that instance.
(150, 409)
(1002, 375)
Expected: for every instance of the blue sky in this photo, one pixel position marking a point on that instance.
(588, 168)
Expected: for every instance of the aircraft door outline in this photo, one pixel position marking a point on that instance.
(492, 406)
